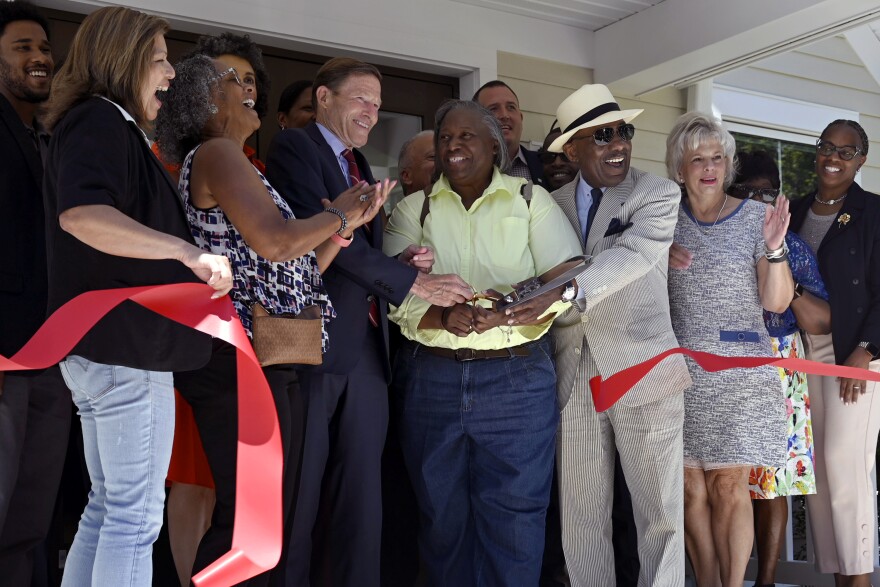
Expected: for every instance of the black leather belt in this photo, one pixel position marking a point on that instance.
(462, 355)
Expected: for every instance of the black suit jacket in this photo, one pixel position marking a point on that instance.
(304, 169)
(23, 282)
(849, 261)
(536, 168)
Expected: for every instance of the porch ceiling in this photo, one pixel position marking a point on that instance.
(591, 15)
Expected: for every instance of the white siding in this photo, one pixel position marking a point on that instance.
(827, 72)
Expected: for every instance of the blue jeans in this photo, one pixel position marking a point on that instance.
(127, 420)
(478, 440)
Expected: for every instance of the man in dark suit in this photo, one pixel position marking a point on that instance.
(344, 407)
(34, 406)
(499, 99)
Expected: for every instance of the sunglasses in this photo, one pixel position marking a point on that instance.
(547, 158)
(746, 192)
(846, 152)
(603, 136)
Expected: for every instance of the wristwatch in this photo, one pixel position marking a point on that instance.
(568, 293)
(871, 348)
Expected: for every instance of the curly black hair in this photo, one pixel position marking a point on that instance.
(186, 108)
(21, 10)
(240, 46)
(856, 127)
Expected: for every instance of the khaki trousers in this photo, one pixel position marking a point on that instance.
(843, 516)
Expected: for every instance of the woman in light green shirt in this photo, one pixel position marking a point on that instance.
(477, 388)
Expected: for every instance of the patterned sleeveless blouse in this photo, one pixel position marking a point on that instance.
(280, 287)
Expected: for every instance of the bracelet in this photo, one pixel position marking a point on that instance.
(798, 290)
(781, 259)
(342, 217)
(779, 254)
(342, 242)
(444, 315)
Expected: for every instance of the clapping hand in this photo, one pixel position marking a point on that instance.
(361, 202)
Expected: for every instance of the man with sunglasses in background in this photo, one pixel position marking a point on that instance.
(625, 219)
(558, 170)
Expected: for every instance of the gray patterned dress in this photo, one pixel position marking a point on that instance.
(733, 417)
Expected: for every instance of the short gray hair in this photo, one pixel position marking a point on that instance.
(692, 130)
(187, 108)
(502, 159)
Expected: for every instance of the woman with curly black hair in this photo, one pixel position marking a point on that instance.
(277, 261)
(191, 498)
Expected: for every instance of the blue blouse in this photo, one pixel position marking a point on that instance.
(805, 271)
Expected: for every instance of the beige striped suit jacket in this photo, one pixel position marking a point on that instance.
(624, 317)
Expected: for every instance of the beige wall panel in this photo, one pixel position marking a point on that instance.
(669, 97)
(871, 169)
(650, 146)
(536, 126)
(521, 67)
(649, 166)
(538, 97)
(654, 118)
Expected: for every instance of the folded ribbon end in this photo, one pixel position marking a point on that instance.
(599, 402)
(230, 569)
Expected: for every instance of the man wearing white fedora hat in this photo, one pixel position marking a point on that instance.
(625, 219)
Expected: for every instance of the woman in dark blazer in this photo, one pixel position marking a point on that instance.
(841, 222)
(114, 220)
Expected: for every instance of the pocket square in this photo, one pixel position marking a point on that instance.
(615, 227)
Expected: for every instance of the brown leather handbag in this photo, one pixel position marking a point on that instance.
(281, 339)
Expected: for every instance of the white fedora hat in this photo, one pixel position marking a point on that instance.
(590, 105)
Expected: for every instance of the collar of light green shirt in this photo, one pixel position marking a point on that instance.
(499, 182)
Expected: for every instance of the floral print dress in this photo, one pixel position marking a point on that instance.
(796, 476)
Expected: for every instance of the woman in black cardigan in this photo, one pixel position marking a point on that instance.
(841, 222)
(114, 220)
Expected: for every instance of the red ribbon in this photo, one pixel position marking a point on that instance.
(607, 392)
(256, 539)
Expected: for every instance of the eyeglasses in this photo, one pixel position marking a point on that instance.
(846, 152)
(603, 136)
(548, 158)
(226, 72)
(747, 192)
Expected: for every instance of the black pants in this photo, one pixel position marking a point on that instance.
(34, 426)
(337, 522)
(212, 393)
